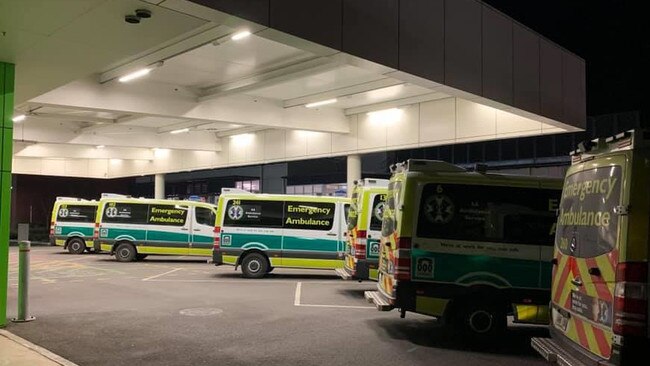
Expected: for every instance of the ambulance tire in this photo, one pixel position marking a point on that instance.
(125, 252)
(481, 321)
(270, 269)
(254, 265)
(141, 256)
(76, 246)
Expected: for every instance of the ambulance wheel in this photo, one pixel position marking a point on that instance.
(254, 265)
(125, 252)
(481, 321)
(76, 246)
(141, 256)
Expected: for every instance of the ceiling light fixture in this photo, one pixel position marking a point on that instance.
(139, 73)
(242, 138)
(182, 130)
(322, 102)
(19, 118)
(385, 115)
(240, 35)
(100, 146)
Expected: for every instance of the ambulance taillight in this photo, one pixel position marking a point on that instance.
(96, 231)
(360, 244)
(51, 228)
(217, 237)
(631, 299)
(402, 259)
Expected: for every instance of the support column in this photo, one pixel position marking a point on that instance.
(354, 171)
(6, 152)
(159, 186)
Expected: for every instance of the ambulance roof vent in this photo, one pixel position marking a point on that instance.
(479, 168)
(372, 182)
(63, 198)
(114, 195)
(420, 165)
(234, 190)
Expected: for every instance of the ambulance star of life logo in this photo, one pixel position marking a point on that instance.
(379, 211)
(439, 209)
(235, 212)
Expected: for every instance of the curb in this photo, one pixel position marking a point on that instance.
(38, 349)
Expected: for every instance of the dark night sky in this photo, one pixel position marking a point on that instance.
(612, 36)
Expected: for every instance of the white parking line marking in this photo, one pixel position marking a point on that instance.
(297, 295)
(296, 298)
(161, 274)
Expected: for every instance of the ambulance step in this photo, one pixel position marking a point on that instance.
(343, 274)
(553, 353)
(379, 300)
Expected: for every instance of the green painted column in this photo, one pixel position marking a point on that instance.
(6, 152)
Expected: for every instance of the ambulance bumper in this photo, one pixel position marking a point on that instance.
(559, 350)
(381, 302)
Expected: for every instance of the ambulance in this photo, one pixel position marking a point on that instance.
(132, 228)
(364, 230)
(467, 247)
(262, 231)
(72, 224)
(599, 298)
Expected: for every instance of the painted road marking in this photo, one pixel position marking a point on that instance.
(297, 301)
(161, 274)
(296, 298)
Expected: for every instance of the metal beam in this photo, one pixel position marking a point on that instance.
(204, 35)
(70, 117)
(343, 92)
(396, 103)
(272, 77)
(239, 131)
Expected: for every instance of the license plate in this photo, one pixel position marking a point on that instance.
(560, 320)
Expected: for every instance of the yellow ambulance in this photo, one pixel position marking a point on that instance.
(599, 296)
(364, 229)
(72, 224)
(467, 247)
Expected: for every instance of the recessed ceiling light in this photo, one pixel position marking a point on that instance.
(182, 130)
(320, 103)
(19, 118)
(240, 35)
(385, 115)
(100, 146)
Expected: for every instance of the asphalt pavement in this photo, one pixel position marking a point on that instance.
(183, 311)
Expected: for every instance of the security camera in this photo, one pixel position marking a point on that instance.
(133, 19)
(143, 13)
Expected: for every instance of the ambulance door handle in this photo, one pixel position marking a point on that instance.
(197, 229)
(577, 281)
(331, 234)
(184, 229)
(594, 271)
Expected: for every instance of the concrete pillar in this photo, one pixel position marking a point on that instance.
(6, 152)
(159, 186)
(354, 171)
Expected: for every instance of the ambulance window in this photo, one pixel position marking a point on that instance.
(352, 215)
(487, 214)
(244, 213)
(346, 213)
(389, 219)
(587, 225)
(377, 213)
(125, 213)
(76, 213)
(205, 216)
(309, 215)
